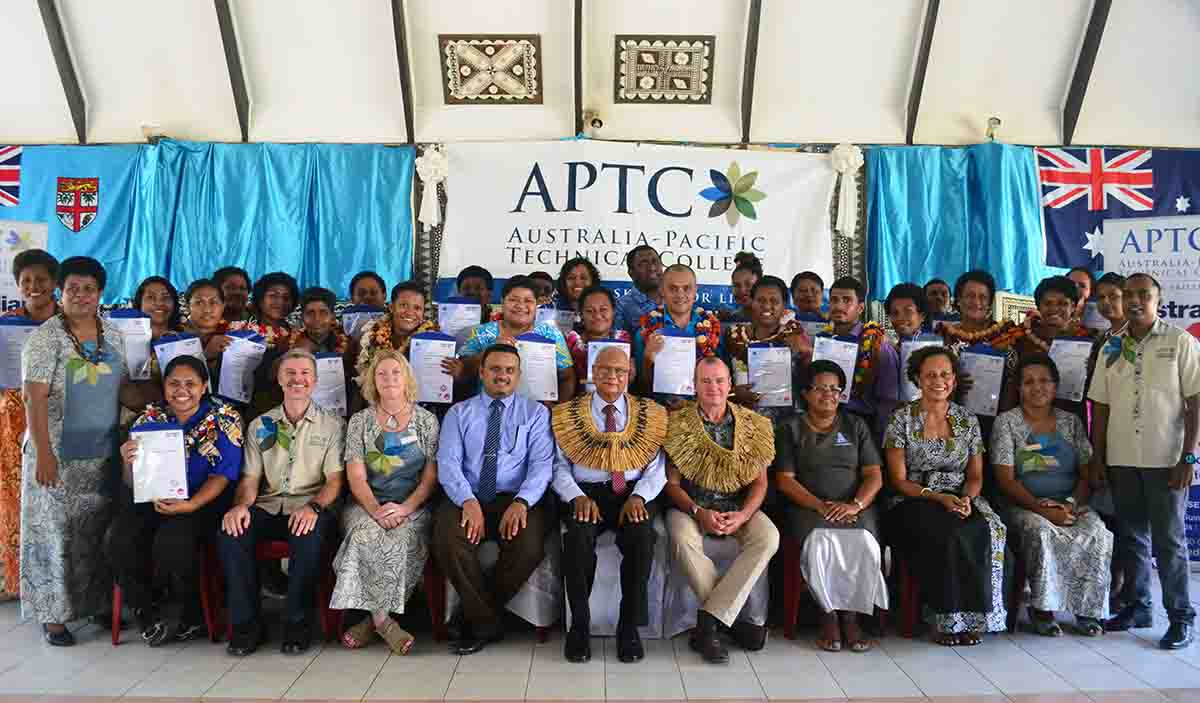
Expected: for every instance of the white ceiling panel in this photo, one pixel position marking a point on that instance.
(320, 71)
(435, 121)
(1144, 89)
(834, 71)
(151, 62)
(1011, 59)
(33, 107)
(717, 121)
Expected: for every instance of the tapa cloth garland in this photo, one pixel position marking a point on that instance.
(632, 448)
(711, 466)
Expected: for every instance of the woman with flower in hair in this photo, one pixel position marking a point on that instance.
(74, 375)
(275, 295)
(170, 530)
(598, 309)
(34, 271)
(768, 305)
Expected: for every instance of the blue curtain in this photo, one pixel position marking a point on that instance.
(936, 212)
(321, 212)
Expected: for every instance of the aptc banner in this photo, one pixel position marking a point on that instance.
(15, 237)
(516, 208)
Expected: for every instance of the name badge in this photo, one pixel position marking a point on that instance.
(408, 439)
(318, 441)
(1165, 354)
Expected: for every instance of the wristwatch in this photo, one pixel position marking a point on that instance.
(858, 503)
(316, 507)
(695, 509)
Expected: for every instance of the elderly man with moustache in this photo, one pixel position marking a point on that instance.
(718, 454)
(608, 470)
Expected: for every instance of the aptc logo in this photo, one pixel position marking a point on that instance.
(733, 194)
(1189, 459)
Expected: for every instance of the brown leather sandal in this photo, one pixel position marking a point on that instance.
(359, 636)
(396, 637)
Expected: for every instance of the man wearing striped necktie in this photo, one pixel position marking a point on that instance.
(608, 469)
(495, 458)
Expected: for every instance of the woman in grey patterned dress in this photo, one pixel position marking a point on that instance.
(1037, 450)
(939, 523)
(73, 372)
(391, 450)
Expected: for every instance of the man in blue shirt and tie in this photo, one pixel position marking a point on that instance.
(495, 459)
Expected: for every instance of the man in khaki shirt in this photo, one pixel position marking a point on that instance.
(291, 480)
(1146, 395)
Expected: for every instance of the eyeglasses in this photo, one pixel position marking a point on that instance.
(606, 371)
(821, 388)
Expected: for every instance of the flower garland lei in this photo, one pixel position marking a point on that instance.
(870, 337)
(203, 436)
(271, 333)
(341, 341)
(379, 336)
(708, 329)
(1001, 335)
(1030, 323)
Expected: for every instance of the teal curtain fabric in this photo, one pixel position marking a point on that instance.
(936, 212)
(321, 212)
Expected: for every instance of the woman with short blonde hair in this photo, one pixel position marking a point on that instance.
(391, 452)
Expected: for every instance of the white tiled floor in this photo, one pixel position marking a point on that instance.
(1023, 668)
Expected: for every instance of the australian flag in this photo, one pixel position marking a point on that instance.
(1081, 188)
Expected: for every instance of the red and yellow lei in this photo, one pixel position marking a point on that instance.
(203, 436)
(378, 335)
(708, 329)
(1000, 335)
(273, 334)
(870, 338)
(341, 341)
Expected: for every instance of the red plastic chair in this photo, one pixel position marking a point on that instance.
(209, 588)
(331, 620)
(910, 596)
(794, 588)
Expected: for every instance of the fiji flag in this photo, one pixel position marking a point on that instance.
(1083, 187)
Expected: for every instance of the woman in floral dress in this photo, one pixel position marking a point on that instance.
(73, 372)
(391, 450)
(939, 523)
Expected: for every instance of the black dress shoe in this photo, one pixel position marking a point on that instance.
(245, 639)
(1129, 617)
(749, 636)
(578, 648)
(62, 638)
(471, 643)
(629, 646)
(705, 640)
(297, 637)
(1178, 636)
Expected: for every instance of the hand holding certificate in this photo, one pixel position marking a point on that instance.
(771, 374)
(331, 384)
(239, 361)
(812, 323)
(539, 367)
(457, 315)
(160, 463)
(842, 351)
(425, 353)
(1070, 355)
(134, 326)
(13, 333)
(985, 365)
(675, 364)
(170, 346)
